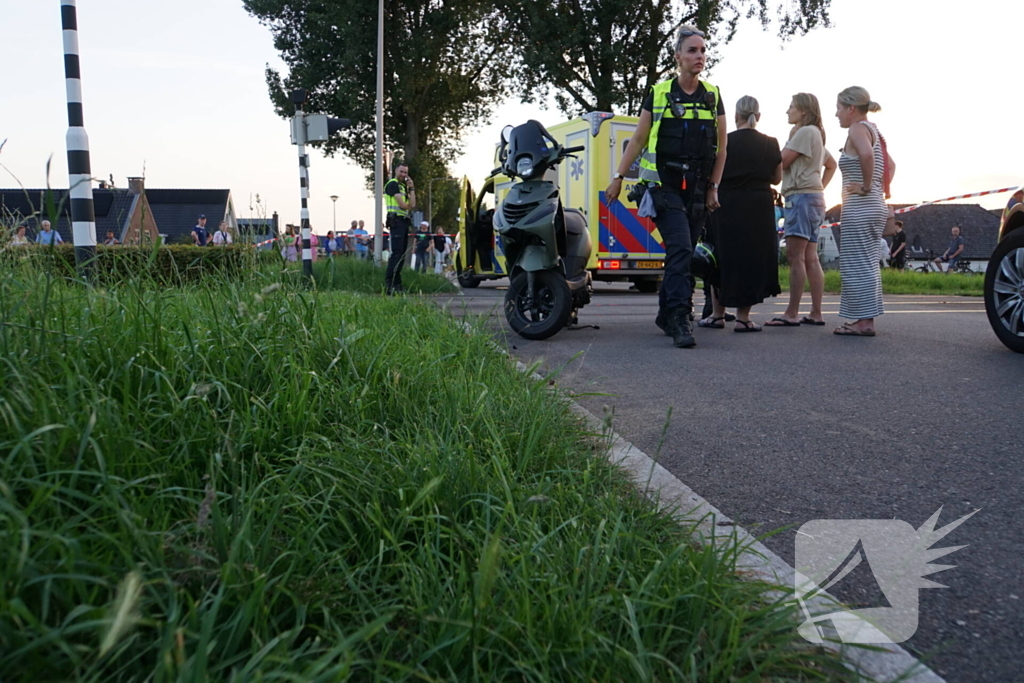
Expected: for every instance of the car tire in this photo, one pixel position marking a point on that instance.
(1004, 291)
(466, 279)
(647, 285)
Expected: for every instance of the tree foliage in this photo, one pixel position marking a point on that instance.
(443, 72)
(604, 54)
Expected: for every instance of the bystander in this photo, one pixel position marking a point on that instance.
(898, 253)
(48, 236)
(19, 239)
(952, 253)
(200, 236)
(222, 237)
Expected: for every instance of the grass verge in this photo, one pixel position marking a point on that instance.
(246, 482)
(357, 275)
(908, 282)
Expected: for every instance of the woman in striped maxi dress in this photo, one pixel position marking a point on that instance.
(863, 217)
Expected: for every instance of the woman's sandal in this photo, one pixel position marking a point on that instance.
(748, 326)
(847, 331)
(710, 322)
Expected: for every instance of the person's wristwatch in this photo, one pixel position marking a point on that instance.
(618, 176)
(712, 185)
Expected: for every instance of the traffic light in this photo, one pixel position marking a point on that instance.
(321, 127)
(312, 127)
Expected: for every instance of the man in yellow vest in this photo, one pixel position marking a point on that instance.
(400, 200)
(682, 134)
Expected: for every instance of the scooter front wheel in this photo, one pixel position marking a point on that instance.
(551, 308)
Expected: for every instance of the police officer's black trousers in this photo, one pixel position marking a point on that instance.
(399, 227)
(680, 232)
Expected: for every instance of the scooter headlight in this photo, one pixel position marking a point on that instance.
(524, 167)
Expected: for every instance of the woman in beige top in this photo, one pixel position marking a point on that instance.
(803, 186)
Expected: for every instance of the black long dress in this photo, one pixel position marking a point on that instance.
(743, 230)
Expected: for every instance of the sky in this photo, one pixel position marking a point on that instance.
(176, 92)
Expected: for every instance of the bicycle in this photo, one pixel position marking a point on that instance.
(963, 266)
(927, 267)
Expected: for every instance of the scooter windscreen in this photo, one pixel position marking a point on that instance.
(529, 150)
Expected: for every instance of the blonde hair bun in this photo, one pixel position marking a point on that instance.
(747, 109)
(856, 96)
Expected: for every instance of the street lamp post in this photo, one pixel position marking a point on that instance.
(430, 198)
(378, 208)
(334, 211)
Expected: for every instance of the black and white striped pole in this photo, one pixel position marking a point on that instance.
(83, 213)
(309, 128)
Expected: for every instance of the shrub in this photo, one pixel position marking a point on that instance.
(167, 265)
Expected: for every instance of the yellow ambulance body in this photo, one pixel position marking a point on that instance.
(626, 247)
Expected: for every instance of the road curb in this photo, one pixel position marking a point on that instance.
(883, 663)
(887, 663)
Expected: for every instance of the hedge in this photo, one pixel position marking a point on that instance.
(166, 265)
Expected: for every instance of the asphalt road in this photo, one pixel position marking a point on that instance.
(793, 424)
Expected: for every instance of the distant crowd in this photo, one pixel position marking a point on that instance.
(431, 249)
(355, 243)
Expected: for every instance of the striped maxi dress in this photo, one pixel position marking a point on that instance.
(863, 219)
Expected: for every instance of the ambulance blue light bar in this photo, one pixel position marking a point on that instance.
(595, 119)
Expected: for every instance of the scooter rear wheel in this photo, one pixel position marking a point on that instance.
(554, 305)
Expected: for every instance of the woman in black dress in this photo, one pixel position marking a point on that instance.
(743, 230)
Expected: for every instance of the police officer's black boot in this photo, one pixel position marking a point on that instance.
(660, 321)
(679, 326)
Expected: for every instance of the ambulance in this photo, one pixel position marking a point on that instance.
(627, 248)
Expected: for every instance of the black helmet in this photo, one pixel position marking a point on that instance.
(703, 264)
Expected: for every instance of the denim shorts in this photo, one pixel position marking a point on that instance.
(805, 214)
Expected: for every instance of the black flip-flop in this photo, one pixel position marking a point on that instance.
(781, 322)
(748, 326)
(807, 320)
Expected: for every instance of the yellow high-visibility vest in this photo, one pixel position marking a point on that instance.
(661, 107)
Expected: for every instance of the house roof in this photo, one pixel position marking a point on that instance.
(177, 211)
(928, 228)
(174, 211)
(28, 207)
(257, 226)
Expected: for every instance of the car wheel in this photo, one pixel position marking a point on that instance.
(1004, 291)
(466, 279)
(647, 285)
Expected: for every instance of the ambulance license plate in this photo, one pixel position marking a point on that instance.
(650, 264)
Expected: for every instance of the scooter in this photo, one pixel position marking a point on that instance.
(547, 247)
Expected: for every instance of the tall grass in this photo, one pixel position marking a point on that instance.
(356, 275)
(236, 481)
(908, 282)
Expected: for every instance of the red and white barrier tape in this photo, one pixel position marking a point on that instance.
(413, 234)
(946, 199)
(959, 196)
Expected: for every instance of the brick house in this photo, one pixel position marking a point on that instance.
(124, 211)
(127, 212)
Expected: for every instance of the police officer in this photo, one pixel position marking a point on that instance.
(400, 199)
(682, 133)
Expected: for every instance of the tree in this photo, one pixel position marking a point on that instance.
(604, 55)
(442, 72)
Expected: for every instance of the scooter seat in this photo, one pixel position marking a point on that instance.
(575, 222)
